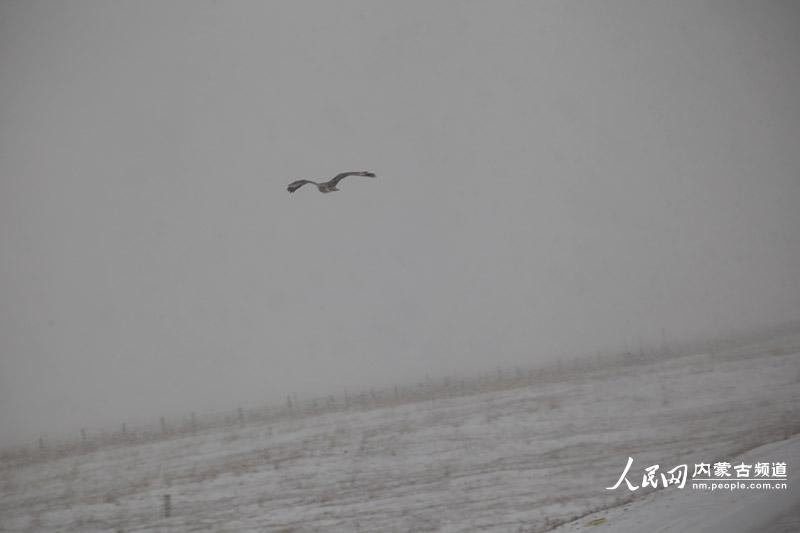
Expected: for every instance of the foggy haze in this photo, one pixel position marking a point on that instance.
(554, 178)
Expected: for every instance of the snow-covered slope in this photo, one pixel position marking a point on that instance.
(723, 511)
(523, 459)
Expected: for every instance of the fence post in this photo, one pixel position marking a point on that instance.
(167, 505)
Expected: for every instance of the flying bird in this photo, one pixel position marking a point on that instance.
(328, 186)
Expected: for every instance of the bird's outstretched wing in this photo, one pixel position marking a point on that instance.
(293, 186)
(339, 177)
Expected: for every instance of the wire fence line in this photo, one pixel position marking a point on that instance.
(500, 378)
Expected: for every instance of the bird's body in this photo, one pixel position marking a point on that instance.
(328, 186)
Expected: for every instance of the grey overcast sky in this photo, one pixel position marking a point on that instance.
(555, 177)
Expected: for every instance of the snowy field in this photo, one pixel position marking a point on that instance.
(724, 511)
(527, 458)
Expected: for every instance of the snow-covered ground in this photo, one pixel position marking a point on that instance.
(528, 458)
(720, 511)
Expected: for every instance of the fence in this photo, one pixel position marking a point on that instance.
(426, 390)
